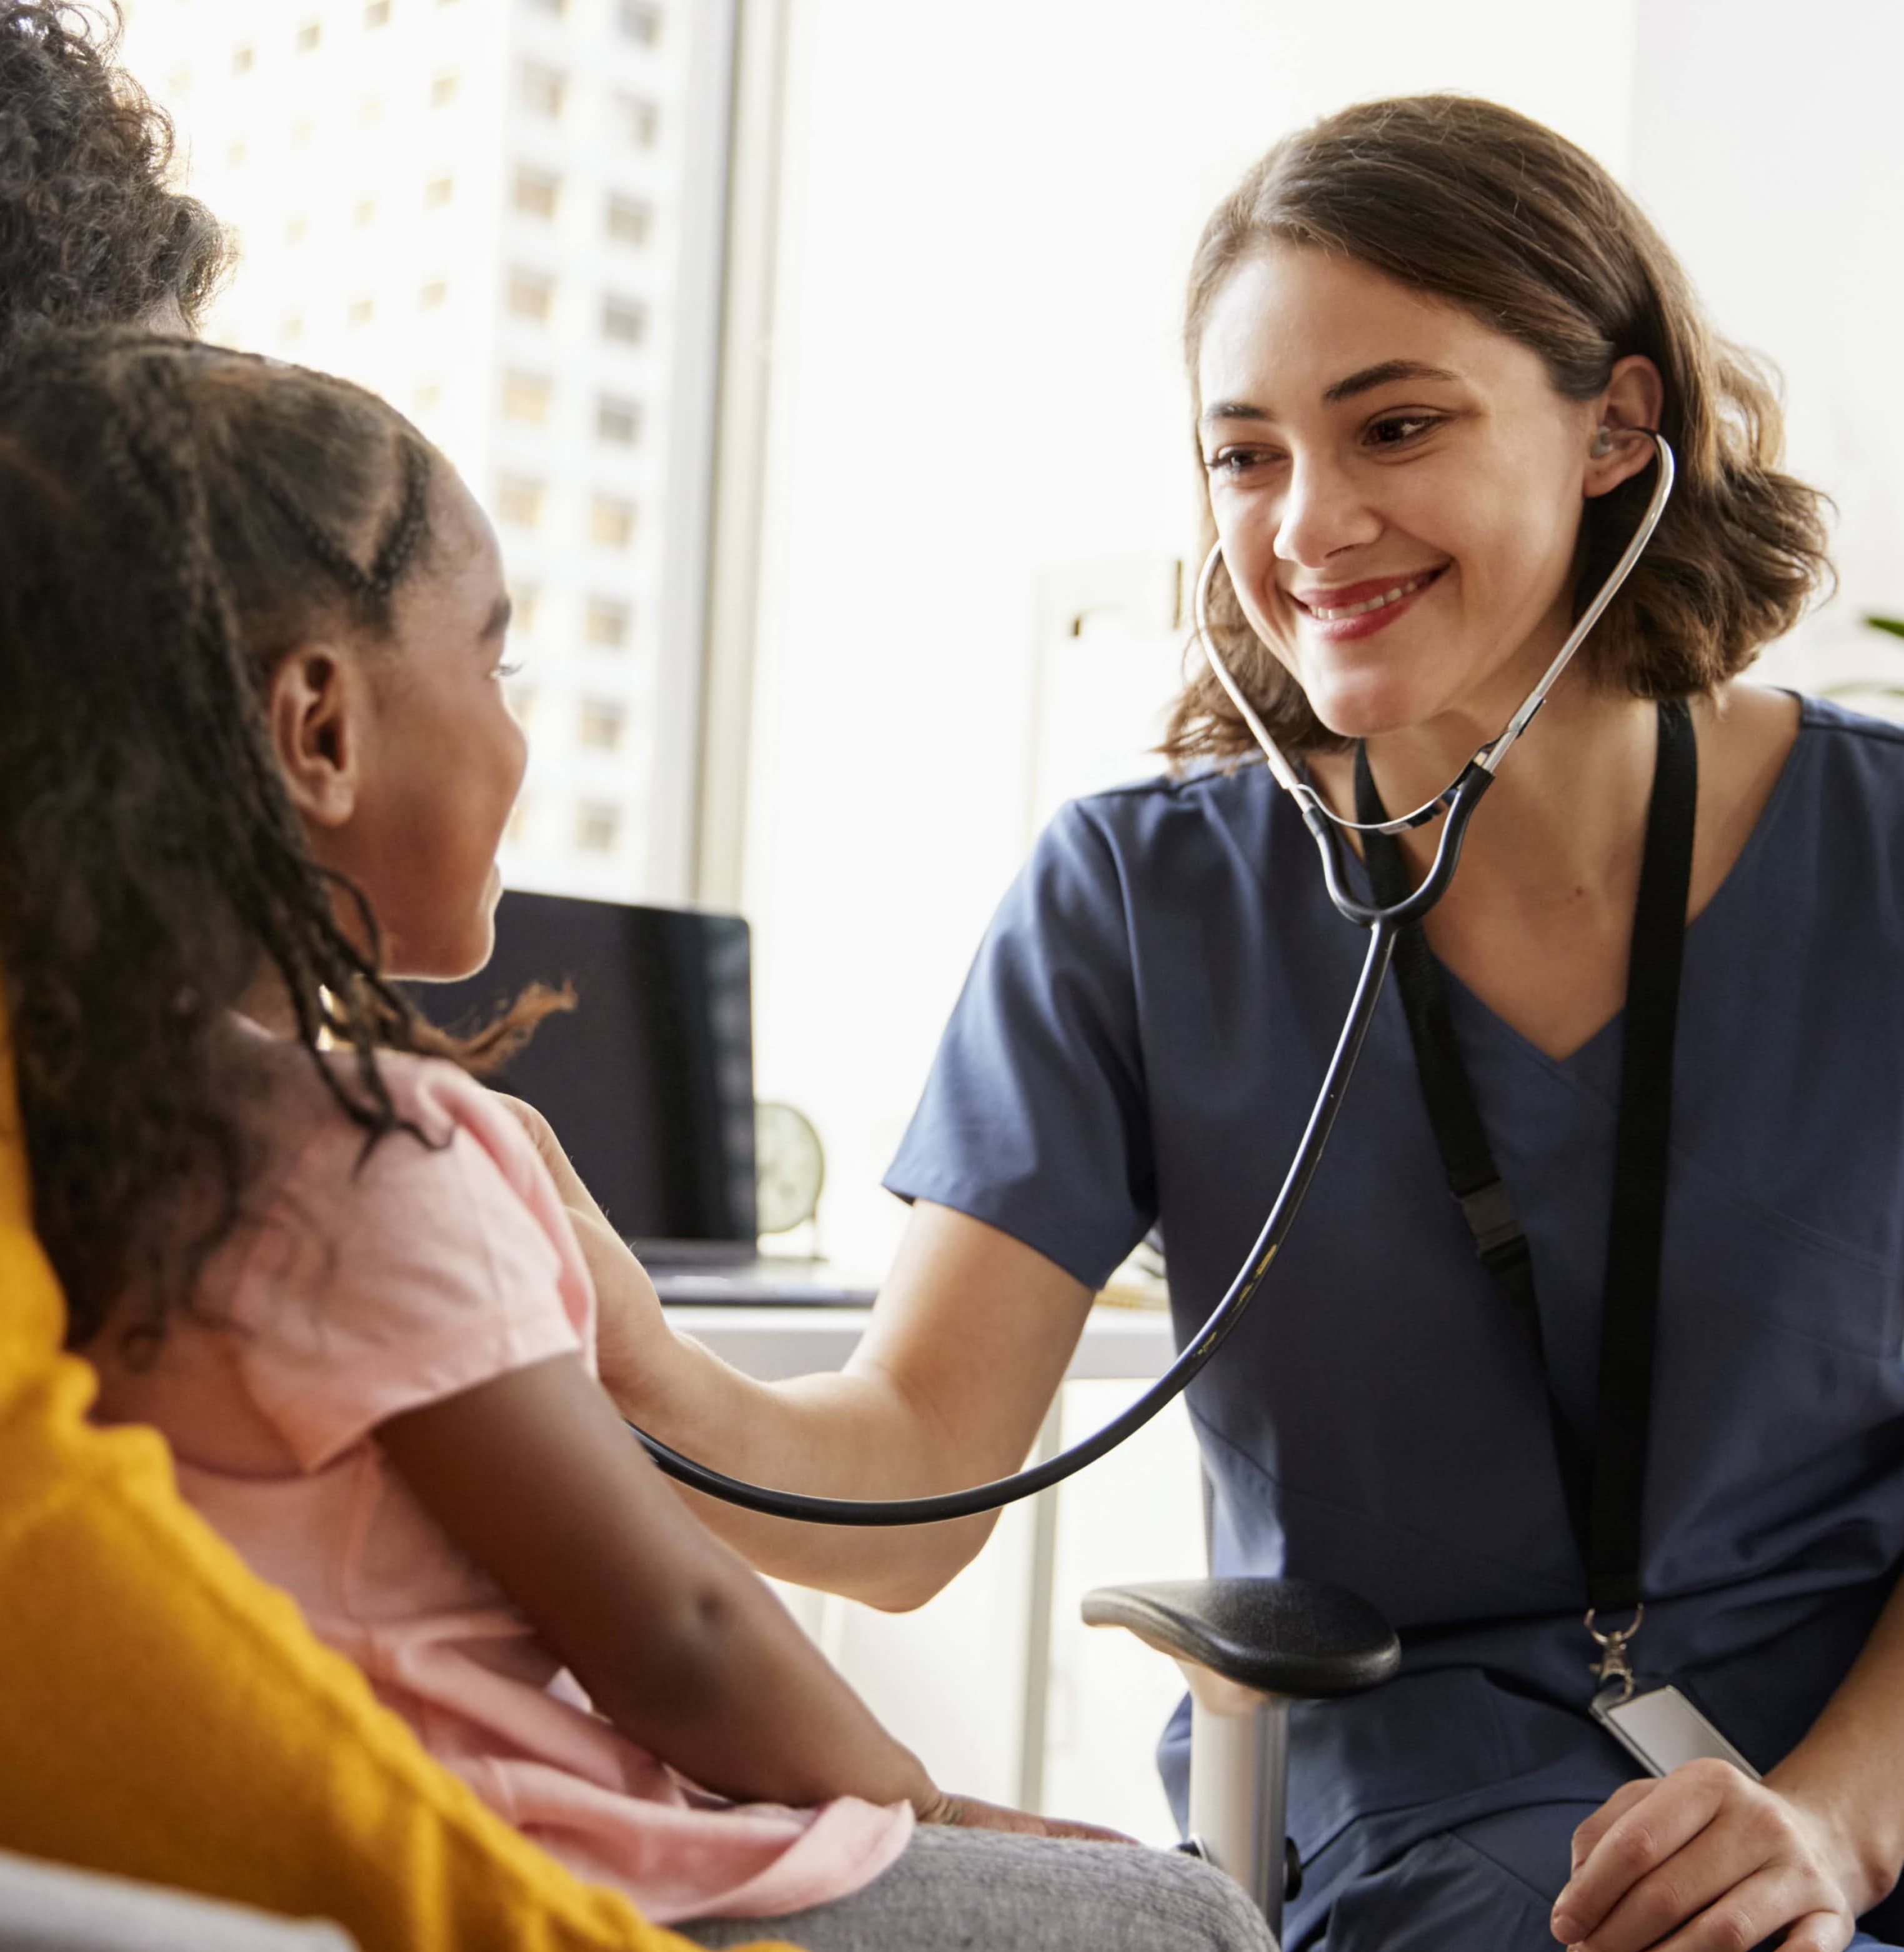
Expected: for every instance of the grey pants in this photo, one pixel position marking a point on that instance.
(983, 1891)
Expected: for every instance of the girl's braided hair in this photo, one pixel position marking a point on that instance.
(175, 519)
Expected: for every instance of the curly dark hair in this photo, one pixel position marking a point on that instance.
(90, 233)
(174, 519)
(1486, 208)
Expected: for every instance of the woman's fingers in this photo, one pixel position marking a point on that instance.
(1603, 1819)
(1635, 1843)
(1754, 1911)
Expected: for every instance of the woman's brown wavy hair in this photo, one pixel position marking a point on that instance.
(1482, 206)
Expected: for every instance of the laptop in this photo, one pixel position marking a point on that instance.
(648, 1083)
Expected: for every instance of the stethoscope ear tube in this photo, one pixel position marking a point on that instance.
(1459, 800)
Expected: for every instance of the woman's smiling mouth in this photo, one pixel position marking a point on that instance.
(1359, 609)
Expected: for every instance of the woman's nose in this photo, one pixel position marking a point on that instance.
(1323, 513)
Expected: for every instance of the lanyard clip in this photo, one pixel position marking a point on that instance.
(1614, 1673)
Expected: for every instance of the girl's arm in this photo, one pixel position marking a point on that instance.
(676, 1642)
(966, 1349)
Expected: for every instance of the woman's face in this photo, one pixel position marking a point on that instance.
(1397, 489)
(403, 756)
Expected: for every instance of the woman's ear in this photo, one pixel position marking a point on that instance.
(1634, 399)
(313, 713)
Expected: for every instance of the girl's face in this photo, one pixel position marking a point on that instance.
(403, 756)
(1397, 489)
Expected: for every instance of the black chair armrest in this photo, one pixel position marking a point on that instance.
(1284, 1637)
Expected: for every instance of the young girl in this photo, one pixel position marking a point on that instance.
(255, 761)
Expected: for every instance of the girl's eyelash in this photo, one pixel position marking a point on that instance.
(508, 670)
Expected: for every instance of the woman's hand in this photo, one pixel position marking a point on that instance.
(631, 1332)
(1707, 1860)
(967, 1812)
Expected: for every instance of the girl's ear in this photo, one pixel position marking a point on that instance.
(313, 713)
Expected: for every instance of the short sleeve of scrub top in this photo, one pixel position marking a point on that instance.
(1036, 1121)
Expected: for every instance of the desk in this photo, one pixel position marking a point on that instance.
(1118, 1344)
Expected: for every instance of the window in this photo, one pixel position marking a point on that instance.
(443, 90)
(558, 7)
(178, 83)
(290, 328)
(427, 397)
(524, 603)
(640, 21)
(624, 320)
(612, 521)
(598, 827)
(525, 397)
(522, 816)
(605, 623)
(519, 499)
(631, 219)
(529, 295)
(361, 311)
(617, 420)
(309, 35)
(235, 154)
(370, 111)
(431, 296)
(602, 724)
(242, 57)
(522, 704)
(640, 120)
(543, 88)
(536, 192)
(294, 230)
(438, 192)
(377, 13)
(365, 215)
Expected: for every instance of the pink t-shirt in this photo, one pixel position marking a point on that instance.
(359, 1294)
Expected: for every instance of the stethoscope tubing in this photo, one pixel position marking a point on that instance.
(940, 1507)
(1459, 799)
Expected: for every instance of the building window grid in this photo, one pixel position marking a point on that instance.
(599, 724)
(543, 89)
(526, 397)
(628, 220)
(617, 421)
(606, 623)
(535, 192)
(623, 319)
(611, 520)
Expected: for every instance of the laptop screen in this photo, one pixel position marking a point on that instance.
(649, 1081)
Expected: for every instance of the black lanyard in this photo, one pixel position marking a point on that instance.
(1606, 1482)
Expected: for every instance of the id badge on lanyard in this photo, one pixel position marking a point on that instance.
(1605, 1482)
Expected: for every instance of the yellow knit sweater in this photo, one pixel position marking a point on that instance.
(165, 1716)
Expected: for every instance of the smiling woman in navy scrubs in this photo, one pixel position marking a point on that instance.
(1422, 337)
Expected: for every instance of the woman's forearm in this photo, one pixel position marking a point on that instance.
(852, 1434)
(1846, 1768)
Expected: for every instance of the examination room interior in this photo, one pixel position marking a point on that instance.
(823, 377)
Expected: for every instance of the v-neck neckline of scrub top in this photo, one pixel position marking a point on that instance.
(1583, 1057)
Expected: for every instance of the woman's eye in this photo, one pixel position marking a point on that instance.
(1398, 430)
(1235, 460)
(507, 670)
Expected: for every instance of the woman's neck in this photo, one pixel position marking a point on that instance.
(1565, 818)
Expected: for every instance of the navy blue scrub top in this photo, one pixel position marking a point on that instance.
(1139, 1040)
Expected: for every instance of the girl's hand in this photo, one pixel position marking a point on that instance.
(969, 1813)
(1707, 1860)
(631, 1333)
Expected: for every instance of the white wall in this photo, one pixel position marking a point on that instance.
(1766, 144)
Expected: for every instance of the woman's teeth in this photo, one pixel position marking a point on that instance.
(1387, 596)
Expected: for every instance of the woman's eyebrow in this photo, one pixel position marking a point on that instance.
(499, 615)
(1371, 376)
(1362, 381)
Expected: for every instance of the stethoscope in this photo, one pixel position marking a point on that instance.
(1458, 803)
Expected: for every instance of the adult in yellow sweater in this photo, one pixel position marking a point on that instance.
(163, 1715)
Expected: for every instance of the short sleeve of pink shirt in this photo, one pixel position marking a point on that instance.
(386, 1280)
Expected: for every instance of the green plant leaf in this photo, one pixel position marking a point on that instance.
(1894, 625)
